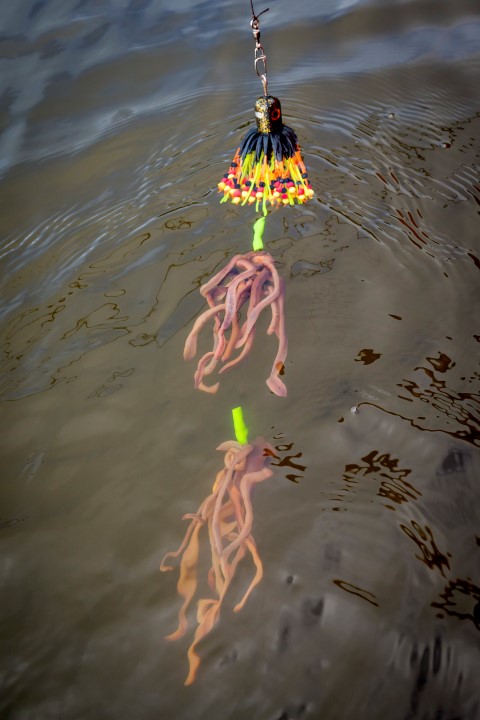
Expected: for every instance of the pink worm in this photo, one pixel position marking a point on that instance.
(255, 292)
(248, 479)
(239, 260)
(274, 382)
(202, 370)
(238, 457)
(216, 279)
(244, 352)
(253, 315)
(231, 299)
(190, 348)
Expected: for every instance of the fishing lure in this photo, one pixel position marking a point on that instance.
(248, 281)
(227, 516)
(268, 166)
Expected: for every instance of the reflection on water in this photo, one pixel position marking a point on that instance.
(367, 356)
(461, 407)
(286, 460)
(116, 120)
(424, 540)
(458, 598)
(390, 479)
(452, 412)
(359, 592)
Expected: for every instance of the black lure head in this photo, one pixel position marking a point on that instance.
(268, 112)
(271, 137)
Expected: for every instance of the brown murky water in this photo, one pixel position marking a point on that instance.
(117, 121)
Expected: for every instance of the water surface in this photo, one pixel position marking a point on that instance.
(117, 119)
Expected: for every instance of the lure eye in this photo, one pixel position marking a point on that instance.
(275, 114)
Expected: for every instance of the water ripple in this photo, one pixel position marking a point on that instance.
(116, 121)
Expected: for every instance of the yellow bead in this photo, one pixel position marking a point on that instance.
(236, 200)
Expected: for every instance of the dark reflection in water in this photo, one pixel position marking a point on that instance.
(461, 599)
(110, 386)
(453, 412)
(420, 237)
(359, 592)
(424, 540)
(367, 356)
(433, 664)
(460, 407)
(287, 461)
(455, 461)
(390, 479)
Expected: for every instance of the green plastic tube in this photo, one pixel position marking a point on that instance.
(258, 228)
(241, 430)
